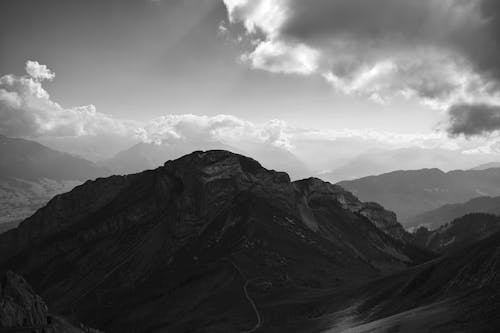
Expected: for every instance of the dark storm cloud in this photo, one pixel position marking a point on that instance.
(442, 52)
(356, 18)
(489, 54)
(473, 119)
(468, 27)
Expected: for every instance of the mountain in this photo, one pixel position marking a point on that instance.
(413, 192)
(379, 161)
(487, 166)
(279, 158)
(146, 156)
(191, 245)
(458, 292)
(462, 231)
(435, 218)
(19, 305)
(31, 174)
(29, 160)
(22, 310)
(19, 198)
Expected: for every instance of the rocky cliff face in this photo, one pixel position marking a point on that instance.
(22, 310)
(19, 305)
(383, 219)
(140, 251)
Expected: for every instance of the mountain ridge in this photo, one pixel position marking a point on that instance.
(435, 218)
(193, 217)
(412, 192)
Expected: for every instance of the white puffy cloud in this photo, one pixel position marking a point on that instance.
(38, 71)
(280, 57)
(442, 52)
(222, 128)
(27, 110)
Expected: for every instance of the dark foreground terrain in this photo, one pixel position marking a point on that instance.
(213, 242)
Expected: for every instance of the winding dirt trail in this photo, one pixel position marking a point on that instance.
(259, 322)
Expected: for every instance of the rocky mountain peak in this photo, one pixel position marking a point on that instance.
(217, 165)
(204, 212)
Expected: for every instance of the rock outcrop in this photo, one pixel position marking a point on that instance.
(383, 219)
(20, 306)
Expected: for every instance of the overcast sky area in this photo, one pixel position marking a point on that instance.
(320, 78)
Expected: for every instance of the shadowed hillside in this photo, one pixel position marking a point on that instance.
(202, 232)
(435, 218)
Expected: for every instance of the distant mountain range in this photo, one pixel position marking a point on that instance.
(29, 160)
(458, 233)
(31, 174)
(487, 166)
(380, 161)
(146, 156)
(435, 218)
(214, 242)
(411, 193)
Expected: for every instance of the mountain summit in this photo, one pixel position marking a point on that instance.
(138, 250)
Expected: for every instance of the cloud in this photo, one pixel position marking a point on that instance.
(279, 57)
(222, 128)
(26, 110)
(38, 71)
(474, 119)
(441, 52)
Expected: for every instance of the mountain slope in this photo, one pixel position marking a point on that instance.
(31, 161)
(410, 193)
(20, 198)
(208, 231)
(22, 310)
(459, 232)
(435, 218)
(458, 292)
(31, 174)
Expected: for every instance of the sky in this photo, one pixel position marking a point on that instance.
(314, 77)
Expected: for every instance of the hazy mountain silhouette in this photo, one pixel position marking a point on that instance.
(146, 156)
(31, 174)
(381, 161)
(31, 161)
(487, 166)
(410, 193)
(435, 218)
